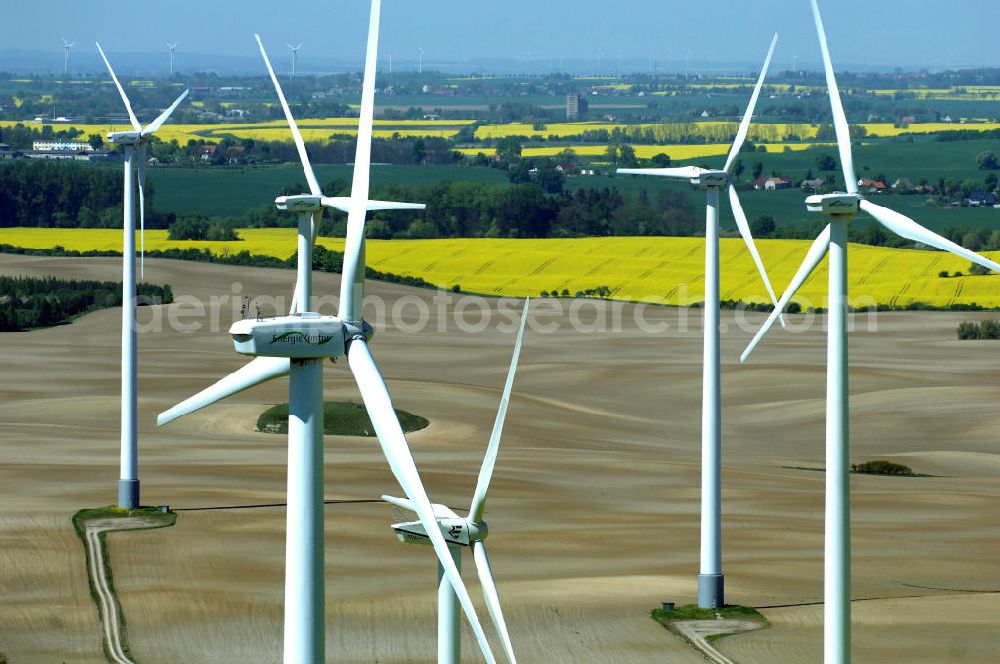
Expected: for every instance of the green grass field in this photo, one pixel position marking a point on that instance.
(230, 191)
(226, 191)
(340, 418)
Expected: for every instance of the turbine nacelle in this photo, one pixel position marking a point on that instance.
(456, 530)
(300, 203)
(836, 203)
(306, 335)
(125, 137)
(707, 179)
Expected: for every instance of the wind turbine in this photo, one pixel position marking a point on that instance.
(295, 56)
(471, 532)
(66, 46)
(172, 48)
(134, 143)
(841, 207)
(297, 345)
(711, 581)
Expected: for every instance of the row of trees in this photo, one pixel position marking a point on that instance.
(464, 209)
(340, 149)
(27, 302)
(43, 194)
(987, 329)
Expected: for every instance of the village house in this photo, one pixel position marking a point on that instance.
(981, 199)
(873, 186)
(772, 183)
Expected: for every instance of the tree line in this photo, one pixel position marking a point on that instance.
(29, 302)
(42, 194)
(69, 195)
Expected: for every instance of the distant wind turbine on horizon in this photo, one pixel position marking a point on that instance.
(295, 56)
(172, 48)
(67, 45)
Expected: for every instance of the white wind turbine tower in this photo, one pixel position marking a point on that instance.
(66, 46)
(841, 207)
(172, 48)
(471, 532)
(297, 345)
(295, 56)
(711, 581)
(134, 143)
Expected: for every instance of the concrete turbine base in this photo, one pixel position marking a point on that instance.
(711, 591)
(128, 494)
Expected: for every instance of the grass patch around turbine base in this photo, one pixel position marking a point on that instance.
(695, 612)
(877, 467)
(340, 418)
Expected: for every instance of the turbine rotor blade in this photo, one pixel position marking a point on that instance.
(390, 435)
(744, 227)
(401, 503)
(491, 596)
(300, 145)
(679, 172)
(158, 122)
(741, 134)
(440, 511)
(121, 91)
(141, 155)
(352, 277)
(812, 259)
(839, 117)
(344, 203)
(255, 372)
(490, 459)
(905, 227)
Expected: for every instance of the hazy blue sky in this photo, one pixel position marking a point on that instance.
(887, 33)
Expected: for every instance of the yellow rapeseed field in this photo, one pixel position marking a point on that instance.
(323, 134)
(885, 129)
(655, 269)
(962, 93)
(318, 130)
(676, 134)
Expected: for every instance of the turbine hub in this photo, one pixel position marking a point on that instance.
(711, 179)
(300, 203)
(358, 330)
(836, 203)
